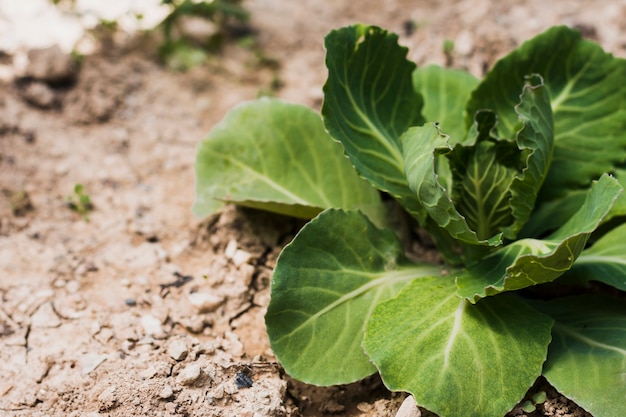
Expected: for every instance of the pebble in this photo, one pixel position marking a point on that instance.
(166, 393)
(152, 326)
(409, 408)
(51, 65)
(178, 350)
(90, 361)
(189, 374)
(205, 302)
(108, 398)
(45, 317)
(241, 257)
(39, 94)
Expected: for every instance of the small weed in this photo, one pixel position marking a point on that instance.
(80, 202)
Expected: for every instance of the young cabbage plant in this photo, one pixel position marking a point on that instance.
(517, 178)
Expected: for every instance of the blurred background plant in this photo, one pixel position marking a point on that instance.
(194, 28)
(187, 32)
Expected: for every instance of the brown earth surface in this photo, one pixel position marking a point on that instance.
(142, 309)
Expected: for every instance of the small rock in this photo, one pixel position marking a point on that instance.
(90, 361)
(152, 326)
(178, 350)
(166, 393)
(205, 302)
(45, 317)
(51, 65)
(108, 398)
(464, 44)
(231, 248)
(409, 408)
(218, 393)
(241, 257)
(233, 345)
(30, 400)
(38, 94)
(189, 374)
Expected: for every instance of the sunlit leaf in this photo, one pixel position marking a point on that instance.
(276, 156)
(456, 358)
(325, 286)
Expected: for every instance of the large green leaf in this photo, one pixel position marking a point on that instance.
(528, 262)
(326, 283)
(276, 156)
(457, 359)
(369, 101)
(605, 261)
(587, 357)
(445, 93)
(588, 99)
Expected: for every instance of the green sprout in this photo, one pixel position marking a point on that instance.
(80, 202)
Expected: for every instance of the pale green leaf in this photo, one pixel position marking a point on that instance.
(276, 156)
(483, 176)
(445, 93)
(456, 358)
(424, 148)
(369, 101)
(528, 262)
(325, 286)
(605, 261)
(587, 357)
(588, 99)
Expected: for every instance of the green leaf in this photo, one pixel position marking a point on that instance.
(619, 208)
(588, 100)
(457, 359)
(528, 262)
(423, 148)
(445, 93)
(587, 357)
(535, 138)
(325, 286)
(276, 156)
(369, 102)
(605, 261)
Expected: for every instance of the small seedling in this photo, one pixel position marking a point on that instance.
(80, 202)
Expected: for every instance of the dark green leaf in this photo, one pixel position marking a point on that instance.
(588, 100)
(605, 261)
(587, 357)
(325, 286)
(369, 102)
